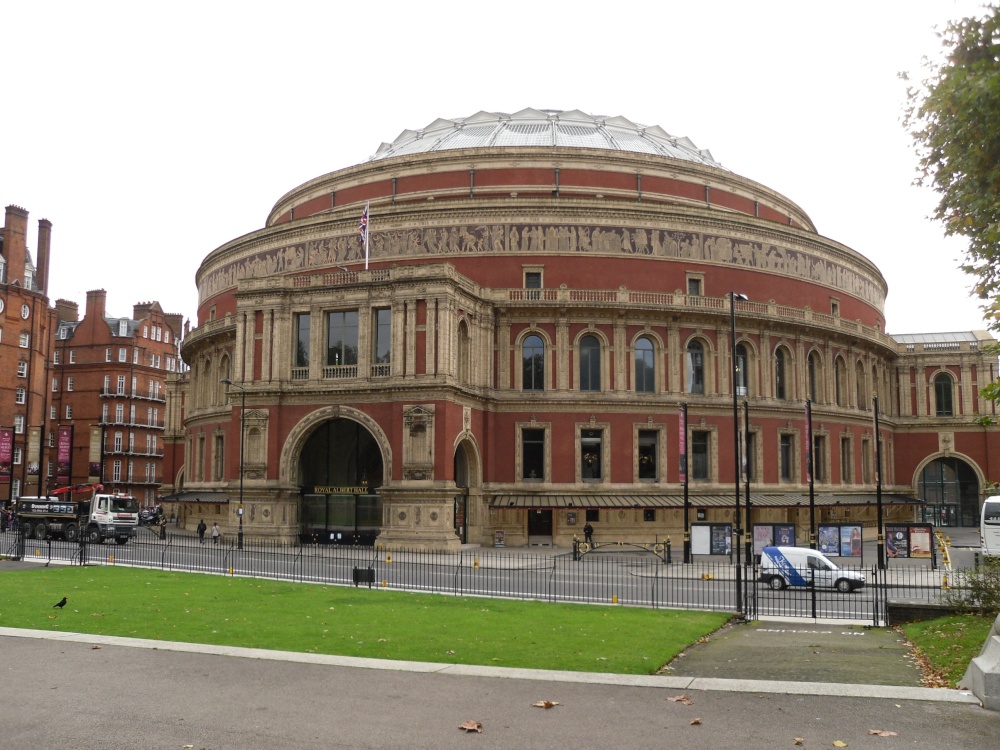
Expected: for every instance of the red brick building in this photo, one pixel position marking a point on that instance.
(108, 390)
(26, 326)
(508, 353)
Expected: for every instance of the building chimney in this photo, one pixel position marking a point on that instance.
(15, 243)
(97, 300)
(42, 262)
(67, 311)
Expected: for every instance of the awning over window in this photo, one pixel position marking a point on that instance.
(197, 498)
(790, 500)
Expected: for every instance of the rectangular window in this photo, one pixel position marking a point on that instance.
(55, 385)
(121, 385)
(786, 455)
(107, 354)
(750, 446)
(135, 357)
(867, 463)
(52, 413)
(383, 338)
(119, 413)
(56, 357)
(72, 356)
(819, 459)
(24, 340)
(116, 471)
(302, 323)
(17, 455)
(594, 515)
(647, 452)
(694, 286)
(118, 442)
(123, 328)
(649, 515)
(532, 279)
(591, 454)
(342, 338)
(533, 455)
(69, 384)
(69, 411)
(699, 455)
(846, 461)
(22, 369)
(123, 355)
(20, 396)
(19, 423)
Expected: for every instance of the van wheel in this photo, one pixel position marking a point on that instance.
(27, 530)
(844, 586)
(41, 531)
(777, 583)
(93, 536)
(72, 532)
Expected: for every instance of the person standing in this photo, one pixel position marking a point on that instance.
(215, 533)
(201, 530)
(588, 533)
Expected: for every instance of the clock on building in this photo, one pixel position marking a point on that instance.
(25, 311)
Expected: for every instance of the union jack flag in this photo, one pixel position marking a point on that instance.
(363, 227)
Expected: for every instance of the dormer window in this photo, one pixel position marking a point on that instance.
(123, 328)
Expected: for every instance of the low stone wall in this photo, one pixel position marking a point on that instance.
(900, 611)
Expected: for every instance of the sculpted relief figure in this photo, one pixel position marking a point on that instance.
(552, 238)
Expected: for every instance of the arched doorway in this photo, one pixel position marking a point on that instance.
(949, 488)
(340, 470)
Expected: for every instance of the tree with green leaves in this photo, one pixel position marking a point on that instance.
(954, 117)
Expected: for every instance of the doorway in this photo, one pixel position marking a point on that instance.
(540, 527)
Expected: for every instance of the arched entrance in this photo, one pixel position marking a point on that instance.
(340, 470)
(467, 490)
(949, 488)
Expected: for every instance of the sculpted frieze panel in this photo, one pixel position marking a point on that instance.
(323, 253)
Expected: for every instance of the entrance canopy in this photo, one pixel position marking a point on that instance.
(701, 501)
(197, 498)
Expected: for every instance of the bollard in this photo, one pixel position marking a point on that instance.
(614, 598)
(388, 557)
(475, 563)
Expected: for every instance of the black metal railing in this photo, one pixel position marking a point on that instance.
(622, 576)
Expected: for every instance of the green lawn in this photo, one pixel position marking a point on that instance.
(945, 645)
(365, 622)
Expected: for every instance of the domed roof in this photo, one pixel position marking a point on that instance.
(549, 127)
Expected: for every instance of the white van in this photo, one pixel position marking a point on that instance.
(989, 527)
(800, 566)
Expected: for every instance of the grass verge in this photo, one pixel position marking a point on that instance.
(944, 646)
(374, 623)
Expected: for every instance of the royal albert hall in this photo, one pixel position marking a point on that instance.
(561, 319)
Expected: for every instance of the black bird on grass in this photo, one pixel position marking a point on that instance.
(61, 603)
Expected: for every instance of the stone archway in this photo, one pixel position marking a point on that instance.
(468, 472)
(950, 486)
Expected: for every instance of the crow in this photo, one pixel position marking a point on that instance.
(61, 603)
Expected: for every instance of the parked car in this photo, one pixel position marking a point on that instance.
(800, 566)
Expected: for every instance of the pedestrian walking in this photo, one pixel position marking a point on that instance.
(202, 528)
(588, 533)
(215, 533)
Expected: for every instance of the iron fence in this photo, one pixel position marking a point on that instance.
(623, 576)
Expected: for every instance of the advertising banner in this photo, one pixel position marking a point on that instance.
(34, 449)
(763, 536)
(897, 541)
(850, 541)
(920, 541)
(6, 452)
(64, 452)
(784, 535)
(94, 457)
(829, 540)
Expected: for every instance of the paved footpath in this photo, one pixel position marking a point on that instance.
(79, 691)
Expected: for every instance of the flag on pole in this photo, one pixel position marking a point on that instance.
(363, 229)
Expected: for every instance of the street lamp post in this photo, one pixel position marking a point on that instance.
(737, 532)
(243, 409)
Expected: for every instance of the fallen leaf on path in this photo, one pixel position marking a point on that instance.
(882, 733)
(94, 647)
(680, 699)
(839, 743)
(472, 726)
(545, 704)
(799, 741)
(696, 721)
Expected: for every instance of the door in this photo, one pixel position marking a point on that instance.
(461, 527)
(540, 526)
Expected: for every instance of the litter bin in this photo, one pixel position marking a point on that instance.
(364, 575)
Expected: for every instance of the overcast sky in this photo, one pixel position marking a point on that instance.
(150, 134)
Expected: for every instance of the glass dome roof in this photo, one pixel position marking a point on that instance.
(534, 127)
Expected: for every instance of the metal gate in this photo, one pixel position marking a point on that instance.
(865, 604)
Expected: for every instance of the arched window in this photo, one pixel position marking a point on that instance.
(590, 363)
(464, 353)
(533, 361)
(780, 376)
(943, 395)
(859, 374)
(840, 381)
(696, 368)
(645, 366)
(815, 373)
(742, 371)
